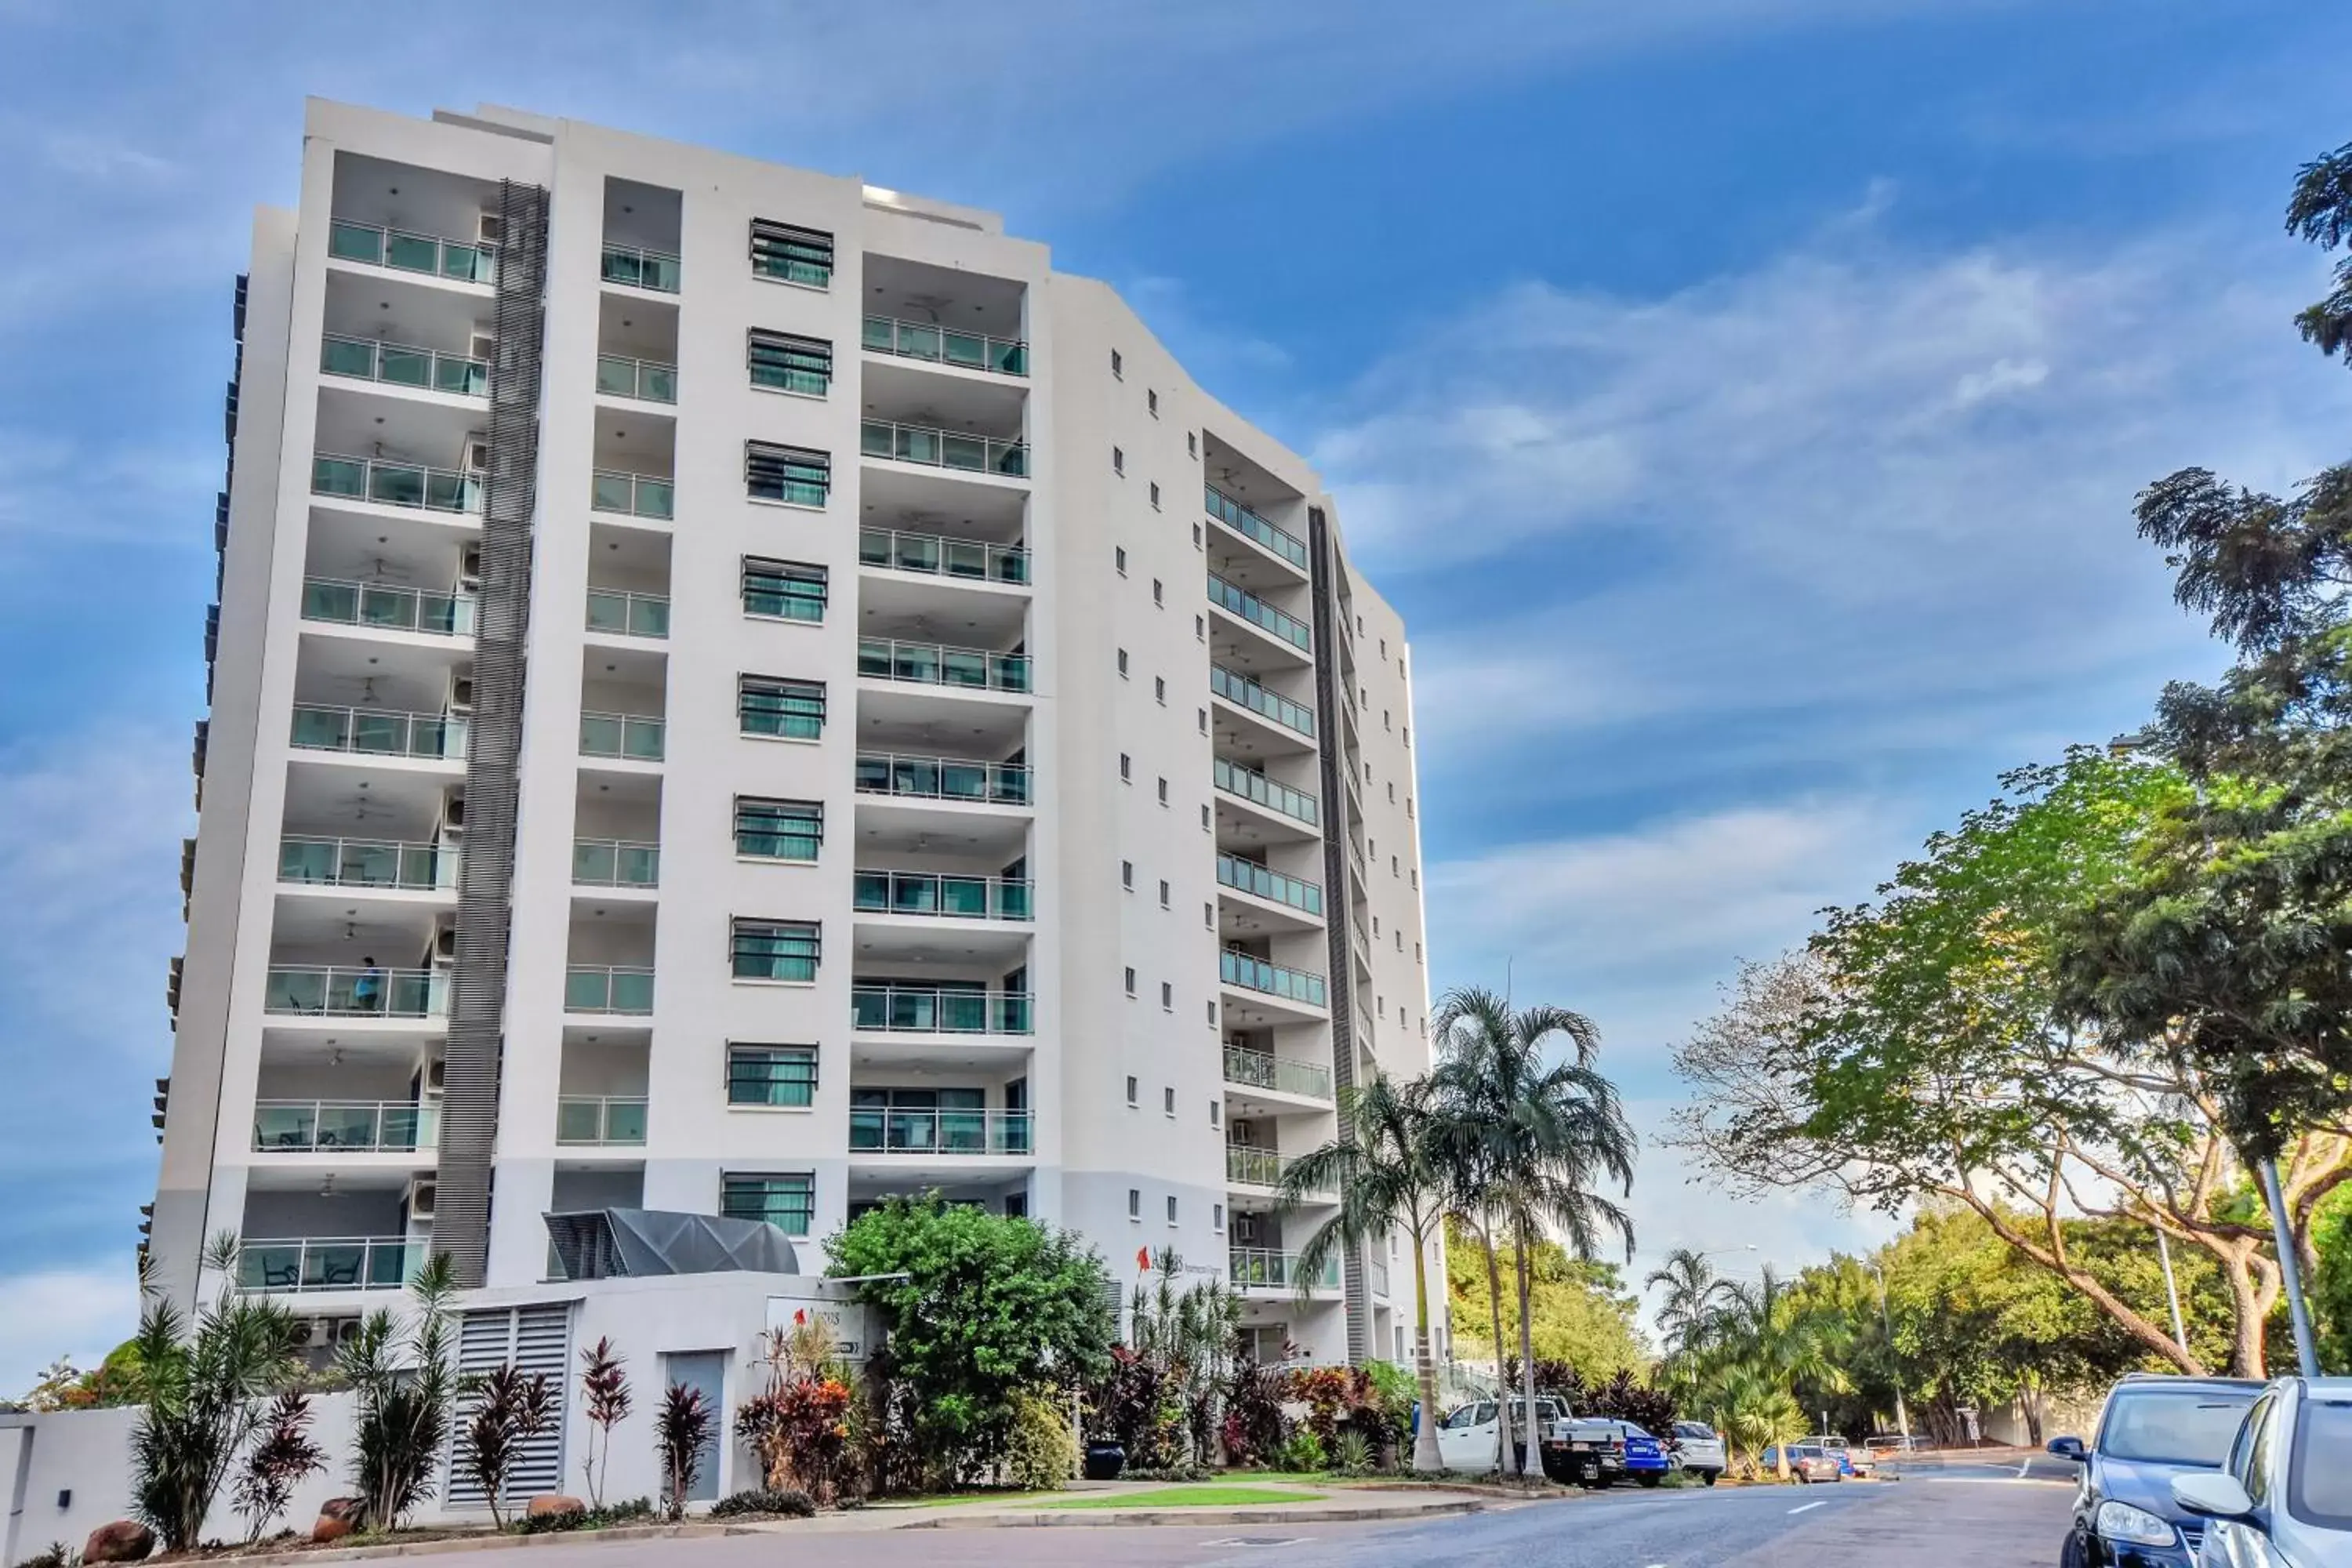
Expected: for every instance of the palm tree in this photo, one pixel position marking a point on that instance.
(1529, 1139)
(1382, 1168)
(1697, 1298)
(1763, 1336)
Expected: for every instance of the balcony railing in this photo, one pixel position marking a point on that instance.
(387, 481)
(943, 778)
(355, 991)
(609, 1120)
(637, 269)
(1252, 1167)
(926, 1010)
(1261, 1266)
(400, 364)
(1284, 1075)
(631, 495)
(1251, 526)
(366, 863)
(940, 557)
(1251, 973)
(1249, 877)
(378, 732)
(1258, 613)
(943, 449)
(1240, 689)
(403, 250)
(891, 1130)
(886, 658)
(615, 863)
(945, 345)
(1234, 779)
(352, 1126)
(1377, 1273)
(387, 607)
(944, 894)
(648, 381)
(628, 614)
(323, 1263)
(608, 988)
(632, 736)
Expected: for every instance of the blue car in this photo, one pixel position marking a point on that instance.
(1645, 1456)
(2153, 1429)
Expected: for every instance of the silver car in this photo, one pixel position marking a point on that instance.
(2283, 1498)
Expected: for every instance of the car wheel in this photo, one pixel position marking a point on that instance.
(1707, 1478)
(1649, 1477)
(2071, 1554)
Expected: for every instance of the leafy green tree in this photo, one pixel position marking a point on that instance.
(1382, 1164)
(1583, 1317)
(989, 1307)
(1531, 1139)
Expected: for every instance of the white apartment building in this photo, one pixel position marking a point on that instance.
(739, 691)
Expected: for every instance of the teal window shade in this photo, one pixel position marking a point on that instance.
(794, 254)
(790, 363)
(786, 1201)
(791, 590)
(779, 829)
(770, 1075)
(774, 950)
(790, 708)
(801, 475)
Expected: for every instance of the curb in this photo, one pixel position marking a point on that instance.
(490, 1543)
(1067, 1518)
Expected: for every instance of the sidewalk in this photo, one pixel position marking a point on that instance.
(1318, 1504)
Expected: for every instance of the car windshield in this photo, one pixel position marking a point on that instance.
(2182, 1426)
(1692, 1430)
(2319, 1489)
(1632, 1431)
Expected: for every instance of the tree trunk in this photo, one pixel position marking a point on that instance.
(1531, 1456)
(1502, 1376)
(2157, 1341)
(1426, 1456)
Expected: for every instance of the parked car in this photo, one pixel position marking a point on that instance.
(1633, 1451)
(2153, 1429)
(2284, 1492)
(1857, 1463)
(1807, 1463)
(1698, 1450)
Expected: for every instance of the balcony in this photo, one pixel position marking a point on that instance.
(343, 1126)
(1255, 528)
(616, 612)
(936, 344)
(647, 381)
(929, 664)
(624, 990)
(615, 863)
(378, 732)
(934, 556)
(354, 991)
(318, 1263)
(1283, 1075)
(1376, 1274)
(631, 737)
(943, 895)
(1241, 690)
(942, 778)
(387, 481)
(403, 365)
(601, 1121)
(366, 863)
(633, 266)
(1250, 973)
(382, 606)
(1249, 1167)
(1258, 789)
(929, 1010)
(943, 449)
(402, 250)
(1261, 1268)
(893, 1129)
(631, 495)
(1260, 614)
(1249, 877)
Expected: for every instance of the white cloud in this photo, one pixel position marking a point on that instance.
(80, 1314)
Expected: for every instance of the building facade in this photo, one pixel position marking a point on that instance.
(740, 692)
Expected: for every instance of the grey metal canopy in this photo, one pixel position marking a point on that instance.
(609, 1243)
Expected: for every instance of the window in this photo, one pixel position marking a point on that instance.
(1160, 689)
(1200, 628)
(1196, 536)
(1400, 1018)
(1119, 462)
(1392, 791)
(1155, 495)
(778, 830)
(1117, 365)
(1376, 927)
(1216, 1112)
(1167, 998)
(1152, 402)
(787, 590)
(1211, 1009)
(1167, 1100)
(1416, 953)
(1209, 915)
(788, 1203)
(1127, 875)
(1202, 717)
(1130, 991)
(1384, 718)
(1163, 892)
(1400, 947)
(791, 254)
(1408, 806)
(791, 709)
(1135, 1203)
(770, 1075)
(1163, 791)
(1205, 816)
(1122, 664)
(774, 950)
(1393, 864)
(798, 476)
(1217, 1224)
(1171, 1209)
(1134, 1089)
(1158, 592)
(1125, 768)
(1408, 737)
(1416, 880)
(781, 362)
(1384, 647)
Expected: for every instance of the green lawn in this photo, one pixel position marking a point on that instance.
(1187, 1497)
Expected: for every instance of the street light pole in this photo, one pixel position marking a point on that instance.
(1887, 1322)
(2171, 1291)
(2306, 1357)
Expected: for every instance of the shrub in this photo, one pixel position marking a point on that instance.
(509, 1409)
(1043, 1453)
(282, 1456)
(1351, 1454)
(1137, 1407)
(681, 1427)
(598, 1517)
(1255, 1427)
(801, 1432)
(1304, 1451)
(404, 1384)
(787, 1502)
(605, 1397)
(58, 1555)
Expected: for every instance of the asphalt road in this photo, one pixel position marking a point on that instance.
(1968, 1517)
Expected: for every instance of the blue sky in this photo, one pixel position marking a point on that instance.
(1743, 400)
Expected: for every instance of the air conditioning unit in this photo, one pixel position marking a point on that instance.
(474, 456)
(318, 1334)
(461, 694)
(444, 942)
(492, 229)
(420, 1198)
(483, 346)
(347, 1330)
(469, 568)
(437, 1077)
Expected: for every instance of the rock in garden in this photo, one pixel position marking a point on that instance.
(122, 1541)
(554, 1502)
(337, 1516)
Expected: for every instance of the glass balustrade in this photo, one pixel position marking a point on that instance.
(1252, 974)
(1284, 1075)
(604, 1119)
(354, 991)
(399, 365)
(631, 495)
(648, 381)
(928, 1010)
(943, 449)
(1251, 526)
(386, 482)
(615, 863)
(1258, 613)
(629, 736)
(1249, 877)
(1265, 1268)
(973, 559)
(622, 614)
(366, 863)
(1240, 689)
(886, 658)
(608, 988)
(944, 894)
(378, 732)
(893, 1129)
(322, 1263)
(403, 250)
(1252, 1167)
(638, 268)
(946, 345)
(942, 778)
(1251, 785)
(387, 607)
(354, 1126)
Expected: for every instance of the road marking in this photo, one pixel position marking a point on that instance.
(1808, 1507)
(2024, 1467)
